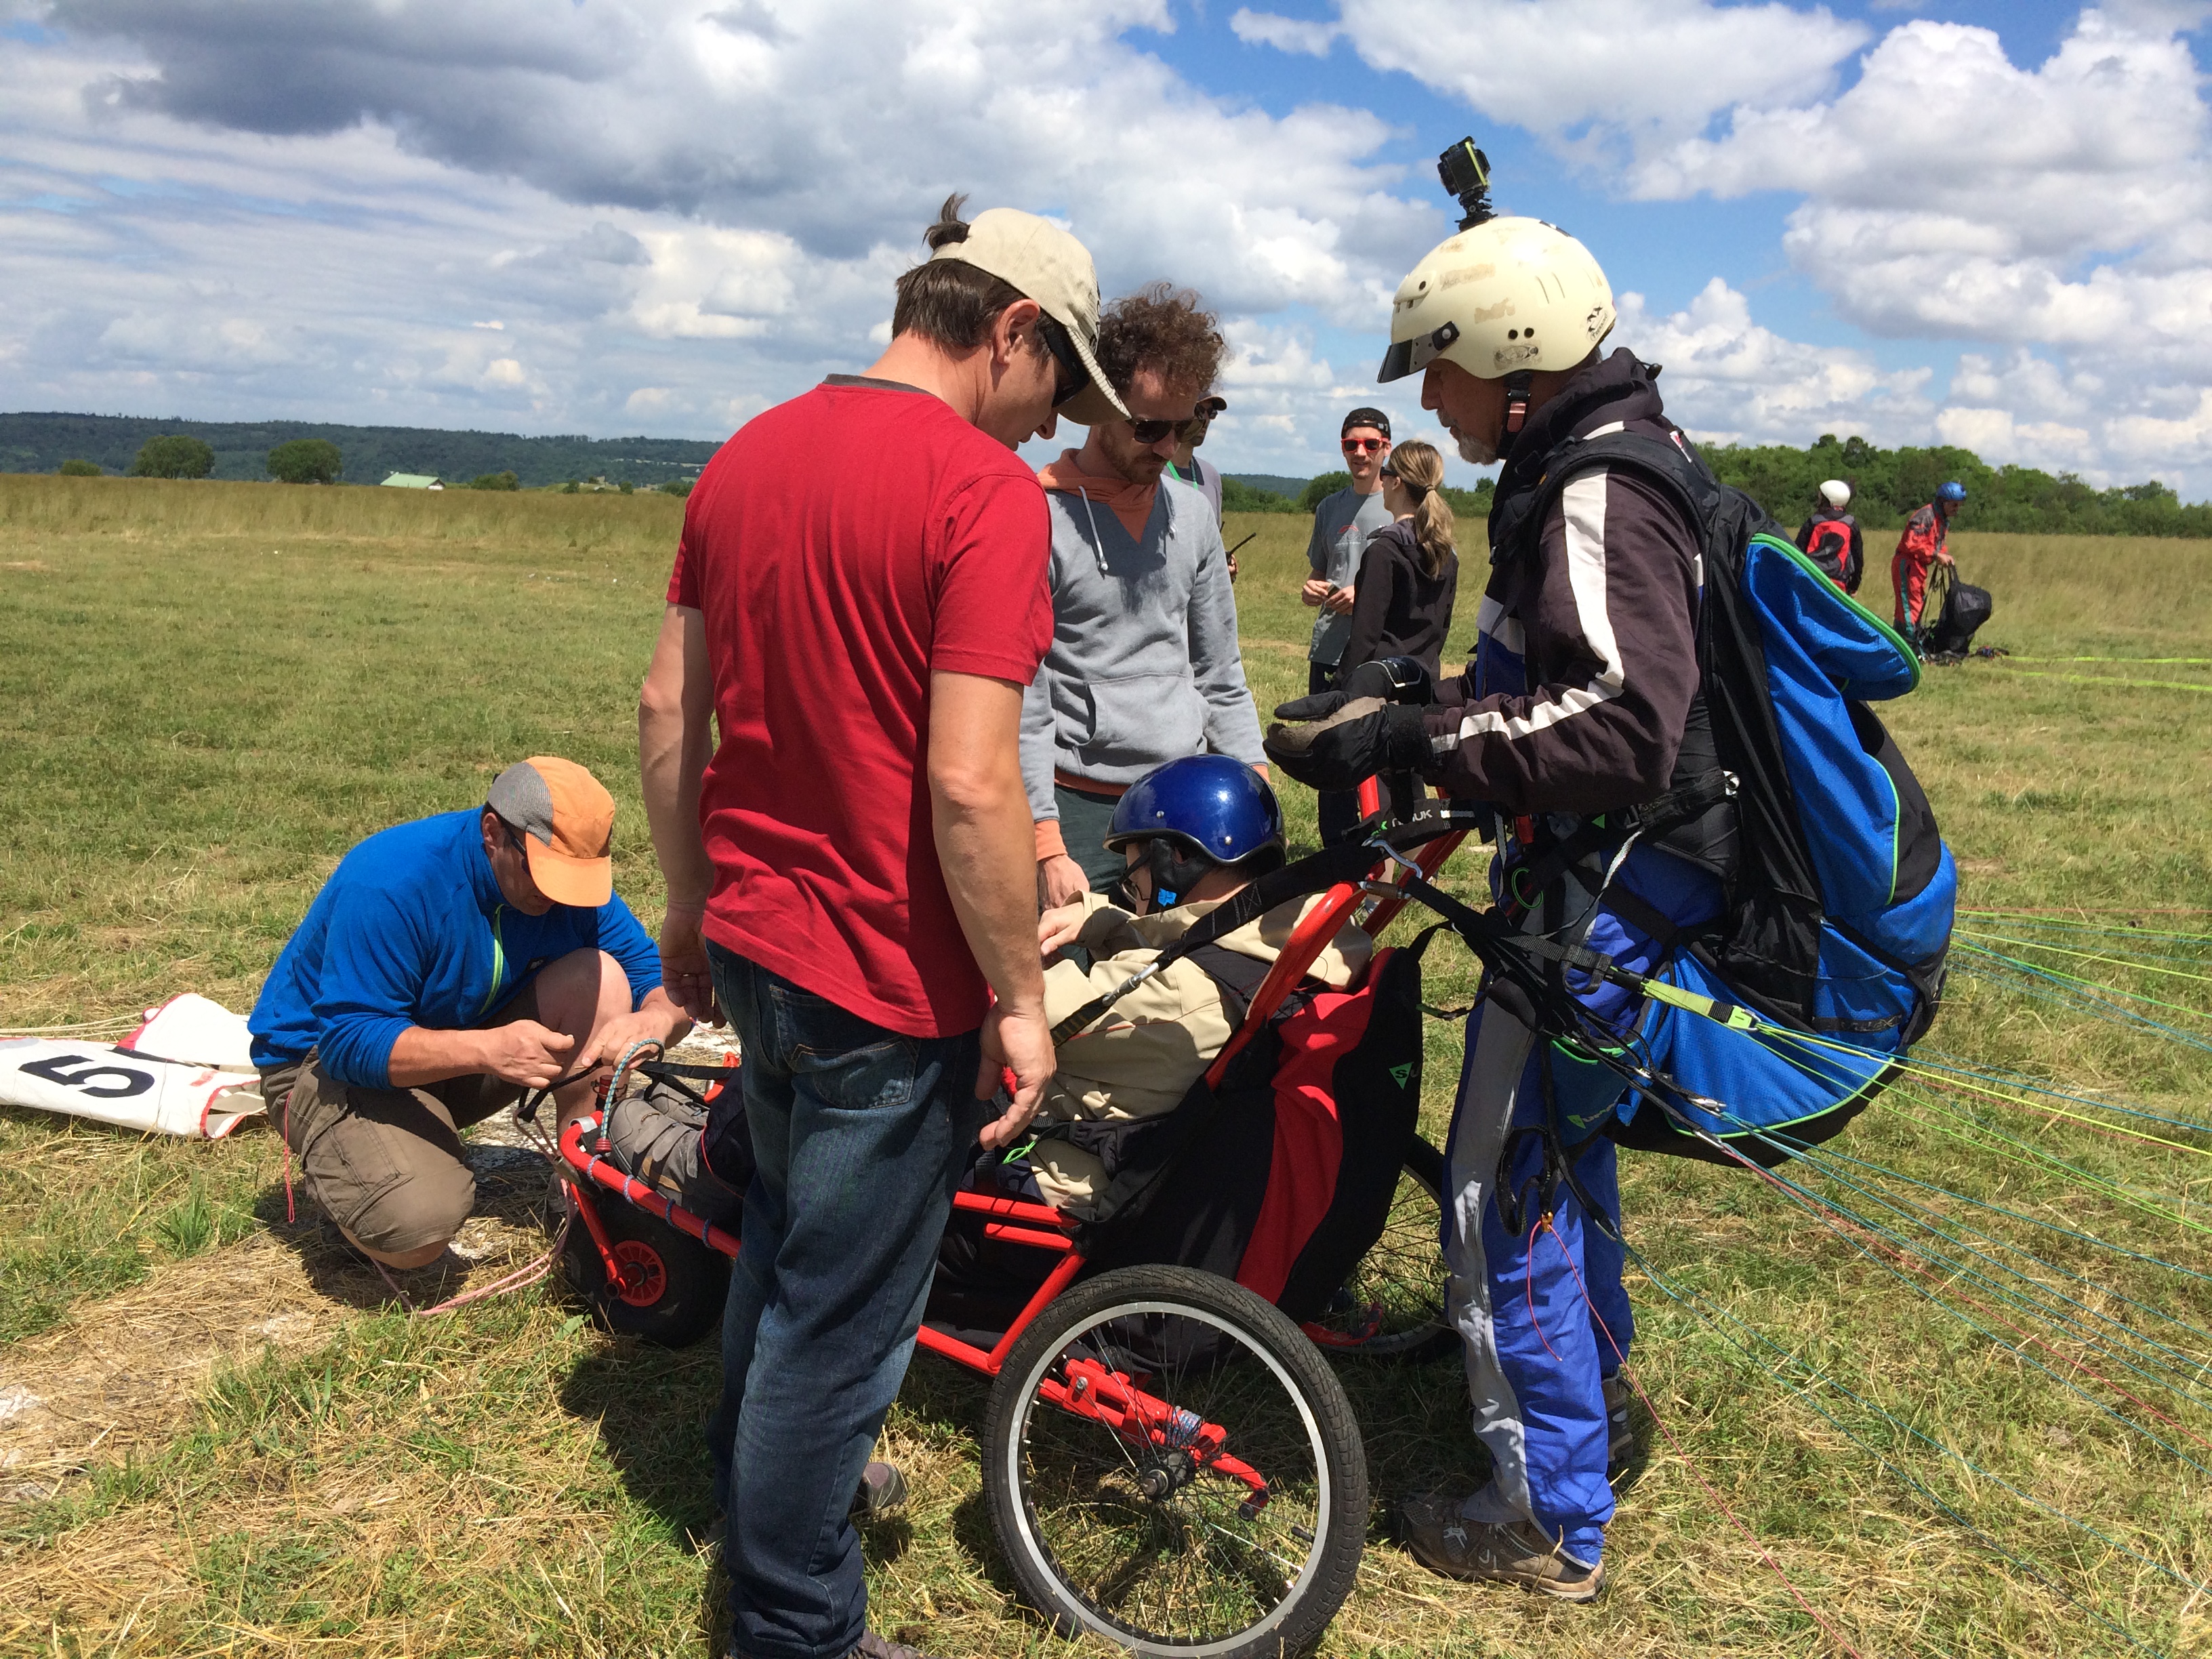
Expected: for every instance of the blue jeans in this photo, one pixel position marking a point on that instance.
(861, 1134)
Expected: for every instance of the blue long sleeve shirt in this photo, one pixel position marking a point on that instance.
(411, 929)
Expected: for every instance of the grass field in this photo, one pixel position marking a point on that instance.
(212, 1440)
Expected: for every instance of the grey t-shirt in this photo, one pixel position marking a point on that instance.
(1342, 524)
(1203, 477)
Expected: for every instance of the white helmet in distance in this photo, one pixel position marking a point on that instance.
(1509, 296)
(1837, 494)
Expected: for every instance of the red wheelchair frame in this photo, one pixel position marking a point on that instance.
(631, 1265)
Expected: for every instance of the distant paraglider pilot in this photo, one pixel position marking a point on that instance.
(1920, 550)
(1831, 538)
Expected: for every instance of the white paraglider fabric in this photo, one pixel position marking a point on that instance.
(186, 1070)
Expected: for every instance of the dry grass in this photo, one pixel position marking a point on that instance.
(209, 691)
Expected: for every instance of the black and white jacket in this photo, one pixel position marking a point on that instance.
(1586, 661)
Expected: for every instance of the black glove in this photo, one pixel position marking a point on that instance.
(1346, 741)
(1391, 679)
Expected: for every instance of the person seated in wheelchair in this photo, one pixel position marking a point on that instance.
(1195, 832)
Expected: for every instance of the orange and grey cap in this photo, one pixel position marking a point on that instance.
(1043, 263)
(568, 824)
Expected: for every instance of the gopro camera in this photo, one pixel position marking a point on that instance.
(1465, 172)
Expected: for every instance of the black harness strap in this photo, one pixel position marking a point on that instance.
(1315, 874)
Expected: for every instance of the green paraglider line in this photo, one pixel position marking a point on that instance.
(1696, 1306)
(1814, 1205)
(2089, 955)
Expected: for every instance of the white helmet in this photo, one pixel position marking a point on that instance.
(1835, 493)
(1507, 297)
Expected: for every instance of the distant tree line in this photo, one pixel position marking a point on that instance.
(1888, 484)
(1239, 497)
(34, 442)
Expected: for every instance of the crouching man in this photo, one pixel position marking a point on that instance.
(447, 966)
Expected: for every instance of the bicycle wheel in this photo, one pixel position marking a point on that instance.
(1393, 1305)
(1171, 1465)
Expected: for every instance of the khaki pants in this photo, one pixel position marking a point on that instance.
(387, 1164)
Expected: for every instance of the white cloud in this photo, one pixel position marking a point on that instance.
(1588, 73)
(714, 206)
(2061, 212)
(836, 125)
(1729, 380)
(1261, 28)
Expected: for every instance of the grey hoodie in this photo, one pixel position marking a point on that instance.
(1144, 666)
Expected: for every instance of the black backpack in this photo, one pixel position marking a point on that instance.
(1964, 609)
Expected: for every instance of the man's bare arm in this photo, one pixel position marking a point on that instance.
(986, 846)
(675, 740)
(522, 1052)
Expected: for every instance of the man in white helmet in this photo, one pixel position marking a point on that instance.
(1830, 537)
(1581, 702)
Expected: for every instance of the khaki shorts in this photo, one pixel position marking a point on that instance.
(387, 1164)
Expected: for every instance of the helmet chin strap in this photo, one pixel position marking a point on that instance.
(1516, 401)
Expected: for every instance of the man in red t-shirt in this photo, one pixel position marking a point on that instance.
(858, 603)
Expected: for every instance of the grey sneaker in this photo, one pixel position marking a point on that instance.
(1443, 1541)
(882, 1487)
(873, 1646)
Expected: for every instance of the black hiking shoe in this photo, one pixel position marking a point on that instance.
(1624, 1441)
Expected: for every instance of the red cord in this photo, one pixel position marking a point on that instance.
(291, 1218)
(1621, 1359)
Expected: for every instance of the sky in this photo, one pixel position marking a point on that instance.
(1983, 223)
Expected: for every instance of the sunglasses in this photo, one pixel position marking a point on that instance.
(1072, 376)
(1361, 446)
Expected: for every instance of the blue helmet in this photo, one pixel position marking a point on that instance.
(1953, 492)
(1201, 812)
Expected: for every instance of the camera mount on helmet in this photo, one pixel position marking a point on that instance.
(1465, 172)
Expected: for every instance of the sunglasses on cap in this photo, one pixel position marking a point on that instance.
(1072, 377)
(1361, 446)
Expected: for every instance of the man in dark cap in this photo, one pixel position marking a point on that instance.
(1342, 523)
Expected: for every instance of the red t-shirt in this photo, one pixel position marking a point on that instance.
(840, 547)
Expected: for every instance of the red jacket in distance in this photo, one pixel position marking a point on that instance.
(1925, 532)
(1830, 540)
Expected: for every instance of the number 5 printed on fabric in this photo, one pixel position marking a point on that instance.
(102, 1079)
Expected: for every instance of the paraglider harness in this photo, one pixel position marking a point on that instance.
(1733, 809)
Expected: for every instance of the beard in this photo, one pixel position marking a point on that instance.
(1473, 451)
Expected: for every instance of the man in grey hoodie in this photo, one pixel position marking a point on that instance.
(1144, 665)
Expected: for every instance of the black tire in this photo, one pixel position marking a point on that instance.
(1131, 1537)
(1393, 1305)
(682, 1283)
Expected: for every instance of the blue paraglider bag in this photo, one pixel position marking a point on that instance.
(1885, 884)
(1840, 892)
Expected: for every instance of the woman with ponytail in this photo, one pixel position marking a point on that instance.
(1409, 572)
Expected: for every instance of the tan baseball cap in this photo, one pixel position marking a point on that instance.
(568, 824)
(1051, 267)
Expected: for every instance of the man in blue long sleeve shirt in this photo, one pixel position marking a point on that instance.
(447, 965)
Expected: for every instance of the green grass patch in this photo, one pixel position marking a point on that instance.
(208, 693)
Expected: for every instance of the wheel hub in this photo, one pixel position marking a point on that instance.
(644, 1279)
